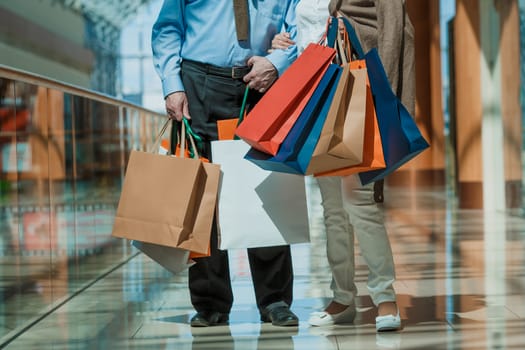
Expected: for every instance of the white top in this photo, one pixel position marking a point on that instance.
(311, 17)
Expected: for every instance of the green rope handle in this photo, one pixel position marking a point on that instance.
(197, 138)
(242, 112)
(243, 106)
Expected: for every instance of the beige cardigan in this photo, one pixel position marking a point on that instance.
(384, 24)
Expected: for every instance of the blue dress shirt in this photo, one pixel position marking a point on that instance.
(204, 31)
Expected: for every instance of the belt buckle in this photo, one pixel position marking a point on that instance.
(238, 72)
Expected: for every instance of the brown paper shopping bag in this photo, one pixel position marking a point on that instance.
(168, 200)
(350, 123)
(373, 157)
(199, 242)
(341, 141)
(154, 208)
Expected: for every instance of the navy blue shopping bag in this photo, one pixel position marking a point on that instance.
(296, 150)
(401, 138)
(400, 135)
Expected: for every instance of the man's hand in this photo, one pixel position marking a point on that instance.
(177, 106)
(262, 74)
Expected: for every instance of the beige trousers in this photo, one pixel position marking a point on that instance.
(350, 207)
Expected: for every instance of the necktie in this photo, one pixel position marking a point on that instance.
(240, 9)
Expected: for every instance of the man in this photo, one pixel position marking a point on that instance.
(205, 58)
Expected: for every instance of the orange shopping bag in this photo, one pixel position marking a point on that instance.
(226, 127)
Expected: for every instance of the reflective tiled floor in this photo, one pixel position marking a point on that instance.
(460, 284)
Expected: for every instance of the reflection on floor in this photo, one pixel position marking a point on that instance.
(460, 285)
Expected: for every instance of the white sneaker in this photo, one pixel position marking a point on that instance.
(388, 323)
(323, 318)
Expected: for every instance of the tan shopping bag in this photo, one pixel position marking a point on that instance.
(350, 123)
(373, 156)
(168, 200)
(341, 141)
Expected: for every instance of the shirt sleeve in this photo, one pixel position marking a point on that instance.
(282, 59)
(166, 42)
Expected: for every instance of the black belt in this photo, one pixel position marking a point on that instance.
(236, 72)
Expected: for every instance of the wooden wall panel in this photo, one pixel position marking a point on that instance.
(428, 168)
(510, 100)
(468, 103)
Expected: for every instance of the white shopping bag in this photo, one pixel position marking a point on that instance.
(257, 207)
(172, 259)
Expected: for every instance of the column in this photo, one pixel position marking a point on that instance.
(428, 168)
(510, 100)
(487, 107)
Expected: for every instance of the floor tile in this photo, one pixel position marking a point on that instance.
(460, 285)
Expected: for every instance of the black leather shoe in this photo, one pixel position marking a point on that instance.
(208, 318)
(280, 316)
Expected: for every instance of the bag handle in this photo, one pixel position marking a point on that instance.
(331, 32)
(340, 41)
(354, 41)
(186, 132)
(327, 39)
(156, 142)
(192, 136)
(242, 112)
(341, 50)
(187, 135)
(352, 35)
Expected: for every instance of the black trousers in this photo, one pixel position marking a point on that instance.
(214, 95)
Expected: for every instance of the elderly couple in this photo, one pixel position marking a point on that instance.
(205, 63)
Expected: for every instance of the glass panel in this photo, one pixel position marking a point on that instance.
(27, 236)
(10, 240)
(131, 130)
(63, 159)
(96, 154)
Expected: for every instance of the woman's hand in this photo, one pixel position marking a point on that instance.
(340, 24)
(341, 32)
(281, 41)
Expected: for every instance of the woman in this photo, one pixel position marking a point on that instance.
(347, 205)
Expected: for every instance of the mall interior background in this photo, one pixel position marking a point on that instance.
(78, 92)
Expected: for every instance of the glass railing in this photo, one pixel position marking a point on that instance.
(63, 153)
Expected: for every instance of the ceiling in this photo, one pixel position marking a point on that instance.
(113, 12)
